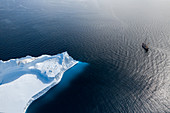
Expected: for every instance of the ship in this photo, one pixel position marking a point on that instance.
(145, 47)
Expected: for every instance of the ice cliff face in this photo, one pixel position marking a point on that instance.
(26, 79)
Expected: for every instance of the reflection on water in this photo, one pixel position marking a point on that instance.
(106, 34)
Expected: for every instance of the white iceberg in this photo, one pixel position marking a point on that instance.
(24, 80)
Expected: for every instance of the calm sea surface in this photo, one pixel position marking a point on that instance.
(107, 34)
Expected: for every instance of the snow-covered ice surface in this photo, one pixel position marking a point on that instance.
(24, 80)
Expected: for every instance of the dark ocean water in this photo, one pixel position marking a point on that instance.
(120, 77)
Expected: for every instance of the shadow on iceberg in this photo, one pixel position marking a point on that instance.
(15, 75)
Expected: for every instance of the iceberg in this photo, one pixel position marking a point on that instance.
(24, 80)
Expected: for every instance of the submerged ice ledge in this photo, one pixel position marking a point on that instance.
(24, 80)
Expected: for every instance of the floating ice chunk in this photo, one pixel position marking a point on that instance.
(26, 79)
